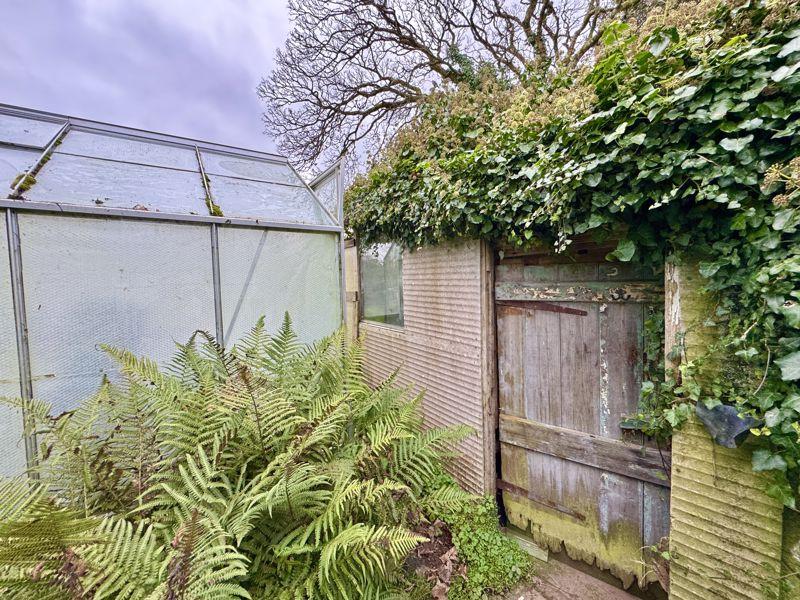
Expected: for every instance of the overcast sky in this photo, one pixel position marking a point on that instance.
(185, 67)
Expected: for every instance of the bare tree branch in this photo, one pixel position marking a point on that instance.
(353, 71)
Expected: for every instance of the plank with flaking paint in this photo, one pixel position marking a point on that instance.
(583, 291)
(638, 462)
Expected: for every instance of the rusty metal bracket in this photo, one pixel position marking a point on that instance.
(538, 305)
(523, 493)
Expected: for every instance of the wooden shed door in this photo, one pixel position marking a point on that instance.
(570, 343)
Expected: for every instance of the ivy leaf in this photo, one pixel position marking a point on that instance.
(783, 219)
(793, 46)
(790, 366)
(720, 109)
(660, 40)
(683, 92)
(736, 144)
(592, 179)
(764, 460)
(624, 251)
(792, 314)
(707, 269)
(783, 492)
(638, 139)
(785, 71)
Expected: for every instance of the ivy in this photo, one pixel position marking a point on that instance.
(678, 143)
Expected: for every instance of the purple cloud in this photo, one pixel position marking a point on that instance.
(180, 66)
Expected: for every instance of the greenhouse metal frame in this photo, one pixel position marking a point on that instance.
(259, 192)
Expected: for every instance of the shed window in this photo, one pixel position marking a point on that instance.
(382, 284)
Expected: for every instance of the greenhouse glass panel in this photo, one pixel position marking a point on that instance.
(27, 132)
(266, 272)
(134, 284)
(14, 161)
(327, 191)
(218, 163)
(12, 458)
(114, 147)
(267, 201)
(90, 181)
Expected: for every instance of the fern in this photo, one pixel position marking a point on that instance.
(267, 470)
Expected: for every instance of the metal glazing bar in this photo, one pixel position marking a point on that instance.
(38, 164)
(105, 211)
(217, 283)
(215, 273)
(21, 326)
(203, 176)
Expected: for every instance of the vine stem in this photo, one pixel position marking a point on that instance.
(766, 371)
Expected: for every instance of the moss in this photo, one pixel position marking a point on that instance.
(25, 180)
(213, 208)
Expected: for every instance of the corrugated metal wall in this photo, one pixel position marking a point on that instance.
(444, 348)
(726, 533)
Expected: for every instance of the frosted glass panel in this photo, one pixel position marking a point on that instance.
(266, 272)
(88, 181)
(12, 457)
(139, 285)
(268, 201)
(14, 161)
(27, 132)
(327, 191)
(119, 148)
(216, 163)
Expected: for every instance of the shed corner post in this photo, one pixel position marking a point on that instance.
(726, 534)
(352, 292)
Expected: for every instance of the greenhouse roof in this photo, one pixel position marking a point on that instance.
(83, 166)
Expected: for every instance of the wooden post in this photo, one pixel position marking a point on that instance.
(352, 293)
(726, 534)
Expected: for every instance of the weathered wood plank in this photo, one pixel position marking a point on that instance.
(540, 368)
(580, 381)
(587, 449)
(585, 291)
(511, 360)
(621, 340)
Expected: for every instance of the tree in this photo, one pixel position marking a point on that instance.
(352, 71)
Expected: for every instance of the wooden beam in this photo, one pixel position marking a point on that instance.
(588, 291)
(637, 462)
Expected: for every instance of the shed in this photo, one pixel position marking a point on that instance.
(136, 239)
(543, 355)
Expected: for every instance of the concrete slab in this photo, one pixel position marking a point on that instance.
(557, 581)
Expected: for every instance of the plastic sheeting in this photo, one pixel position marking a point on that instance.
(139, 285)
(12, 458)
(93, 182)
(27, 132)
(267, 272)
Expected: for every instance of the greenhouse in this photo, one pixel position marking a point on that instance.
(136, 239)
